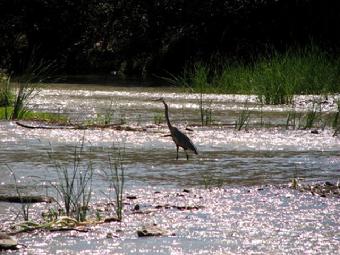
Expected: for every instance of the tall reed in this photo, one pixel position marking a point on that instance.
(115, 175)
(24, 89)
(336, 120)
(275, 77)
(25, 207)
(243, 118)
(74, 184)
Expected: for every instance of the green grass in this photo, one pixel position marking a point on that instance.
(243, 119)
(158, 118)
(115, 175)
(275, 78)
(6, 94)
(74, 185)
(36, 116)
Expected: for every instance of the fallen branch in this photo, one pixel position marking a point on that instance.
(26, 199)
(113, 126)
(43, 127)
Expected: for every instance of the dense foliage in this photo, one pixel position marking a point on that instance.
(141, 36)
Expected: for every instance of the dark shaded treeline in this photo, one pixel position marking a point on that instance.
(140, 37)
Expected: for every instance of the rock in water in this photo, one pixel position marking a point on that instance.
(151, 230)
(7, 242)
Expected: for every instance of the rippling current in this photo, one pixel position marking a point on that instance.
(245, 215)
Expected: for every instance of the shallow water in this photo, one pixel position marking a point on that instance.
(238, 218)
(232, 221)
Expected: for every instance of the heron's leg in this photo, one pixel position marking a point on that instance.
(177, 151)
(187, 154)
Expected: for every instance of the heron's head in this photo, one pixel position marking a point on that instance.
(161, 99)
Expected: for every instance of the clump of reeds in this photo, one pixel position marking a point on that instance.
(15, 96)
(158, 118)
(336, 120)
(312, 116)
(115, 175)
(25, 207)
(74, 184)
(6, 94)
(275, 77)
(243, 118)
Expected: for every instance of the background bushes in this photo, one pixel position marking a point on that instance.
(143, 37)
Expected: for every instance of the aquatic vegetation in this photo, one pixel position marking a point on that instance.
(101, 119)
(6, 94)
(196, 79)
(243, 118)
(336, 120)
(236, 161)
(53, 223)
(275, 77)
(311, 117)
(158, 118)
(25, 207)
(115, 175)
(210, 181)
(107, 117)
(35, 116)
(25, 91)
(122, 119)
(206, 116)
(74, 185)
(46, 117)
(200, 81)
(291, 119)
(205, 111)
(17, 94)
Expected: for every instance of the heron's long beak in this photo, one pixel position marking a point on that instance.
(158, 99)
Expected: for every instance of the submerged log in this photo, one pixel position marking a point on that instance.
(26, 199)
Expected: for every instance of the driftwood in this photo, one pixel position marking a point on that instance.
(113, 126)
(26, 199)
(181, 208)
(44, 127)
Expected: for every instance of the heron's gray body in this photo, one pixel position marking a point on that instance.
(179, 138)
(182, 140)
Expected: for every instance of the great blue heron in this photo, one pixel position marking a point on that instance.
(180, 139)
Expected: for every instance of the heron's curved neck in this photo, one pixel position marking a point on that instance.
(167, 115)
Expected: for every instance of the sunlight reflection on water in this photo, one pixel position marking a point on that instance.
(233, 220)
(242, 218)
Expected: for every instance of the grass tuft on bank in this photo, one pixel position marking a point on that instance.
(34, 116)
(275, 78)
